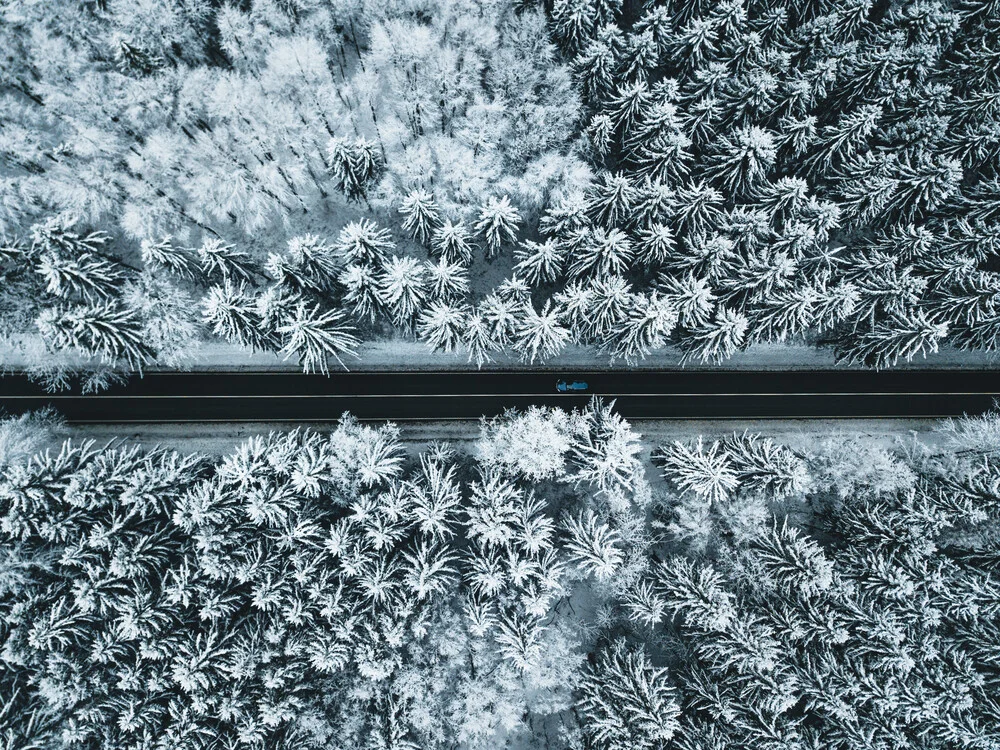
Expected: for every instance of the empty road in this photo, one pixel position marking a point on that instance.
(405, 396)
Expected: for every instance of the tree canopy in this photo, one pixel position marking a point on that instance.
(346, 589)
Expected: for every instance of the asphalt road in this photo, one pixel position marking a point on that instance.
(407, 396)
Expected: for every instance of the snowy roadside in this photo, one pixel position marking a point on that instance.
(219, 438)
(400, 353)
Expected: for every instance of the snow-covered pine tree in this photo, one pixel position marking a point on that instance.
(901, 337)
(611, 200)
(718, 339)
(364, 242)
(842, 141)
(452, 242)
(173, 259)
(86, 277)
(697, 594)
(603, 254)
(313, 336)
(518, 639)
(741, 161)
(794, 563)
(605, 450)
(647, 325)
(446, 280)
(361, 291)
(442, 325)
(782, 314)
(601, 134)
(573, 23)
(539, 263)
(707, 472)
(403, 288)
(354, 165)
(697, 208)
(597, 64)
(644, 605)
(497, 224)
(594, 546)
(312, 262)
(106, 331)
(539, 335)
(574, 302)
(477, 337)
(690, 296)
(625, 702)
(501, 315)
(756, 277)
(565, 215)
(655, 245)
(654, 202)
(223, 262)
(231, 313)
(763, 466)
(421, 215)
(58, 235)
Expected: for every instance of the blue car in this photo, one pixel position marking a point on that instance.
(564, 386)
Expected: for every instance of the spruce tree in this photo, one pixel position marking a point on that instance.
(497, 224)
(421, 215)
(539, 335)
(442, 325)
(626, 702)
(313, 336)
(105, 331)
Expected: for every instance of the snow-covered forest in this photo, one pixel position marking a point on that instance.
(495, 176)
(559, 583)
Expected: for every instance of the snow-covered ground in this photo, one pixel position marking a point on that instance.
(218, 438)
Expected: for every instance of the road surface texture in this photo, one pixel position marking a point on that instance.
(409, 396)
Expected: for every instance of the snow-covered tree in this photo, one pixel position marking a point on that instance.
(612, 200)
(539, 262)
(706, 471)
(478, 338)
(646, 326)
(355, 165)
(594, 546)
(498, 224)
(763, 466)
(421, 215)
(532, 443)
(221, 261)
(232, 314)
(626, 702)
(446, 280)
(742, 160)
(451, 241)
(402, 286)
(313, 336)
(361, 291)
(539, 335)
(605, 450)
(364, 242)
(103, 330)
(442, 325)
(501, 315)
(718, 338)
(903, 337)
(605, 253)
(86, 277)
(165, 255)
